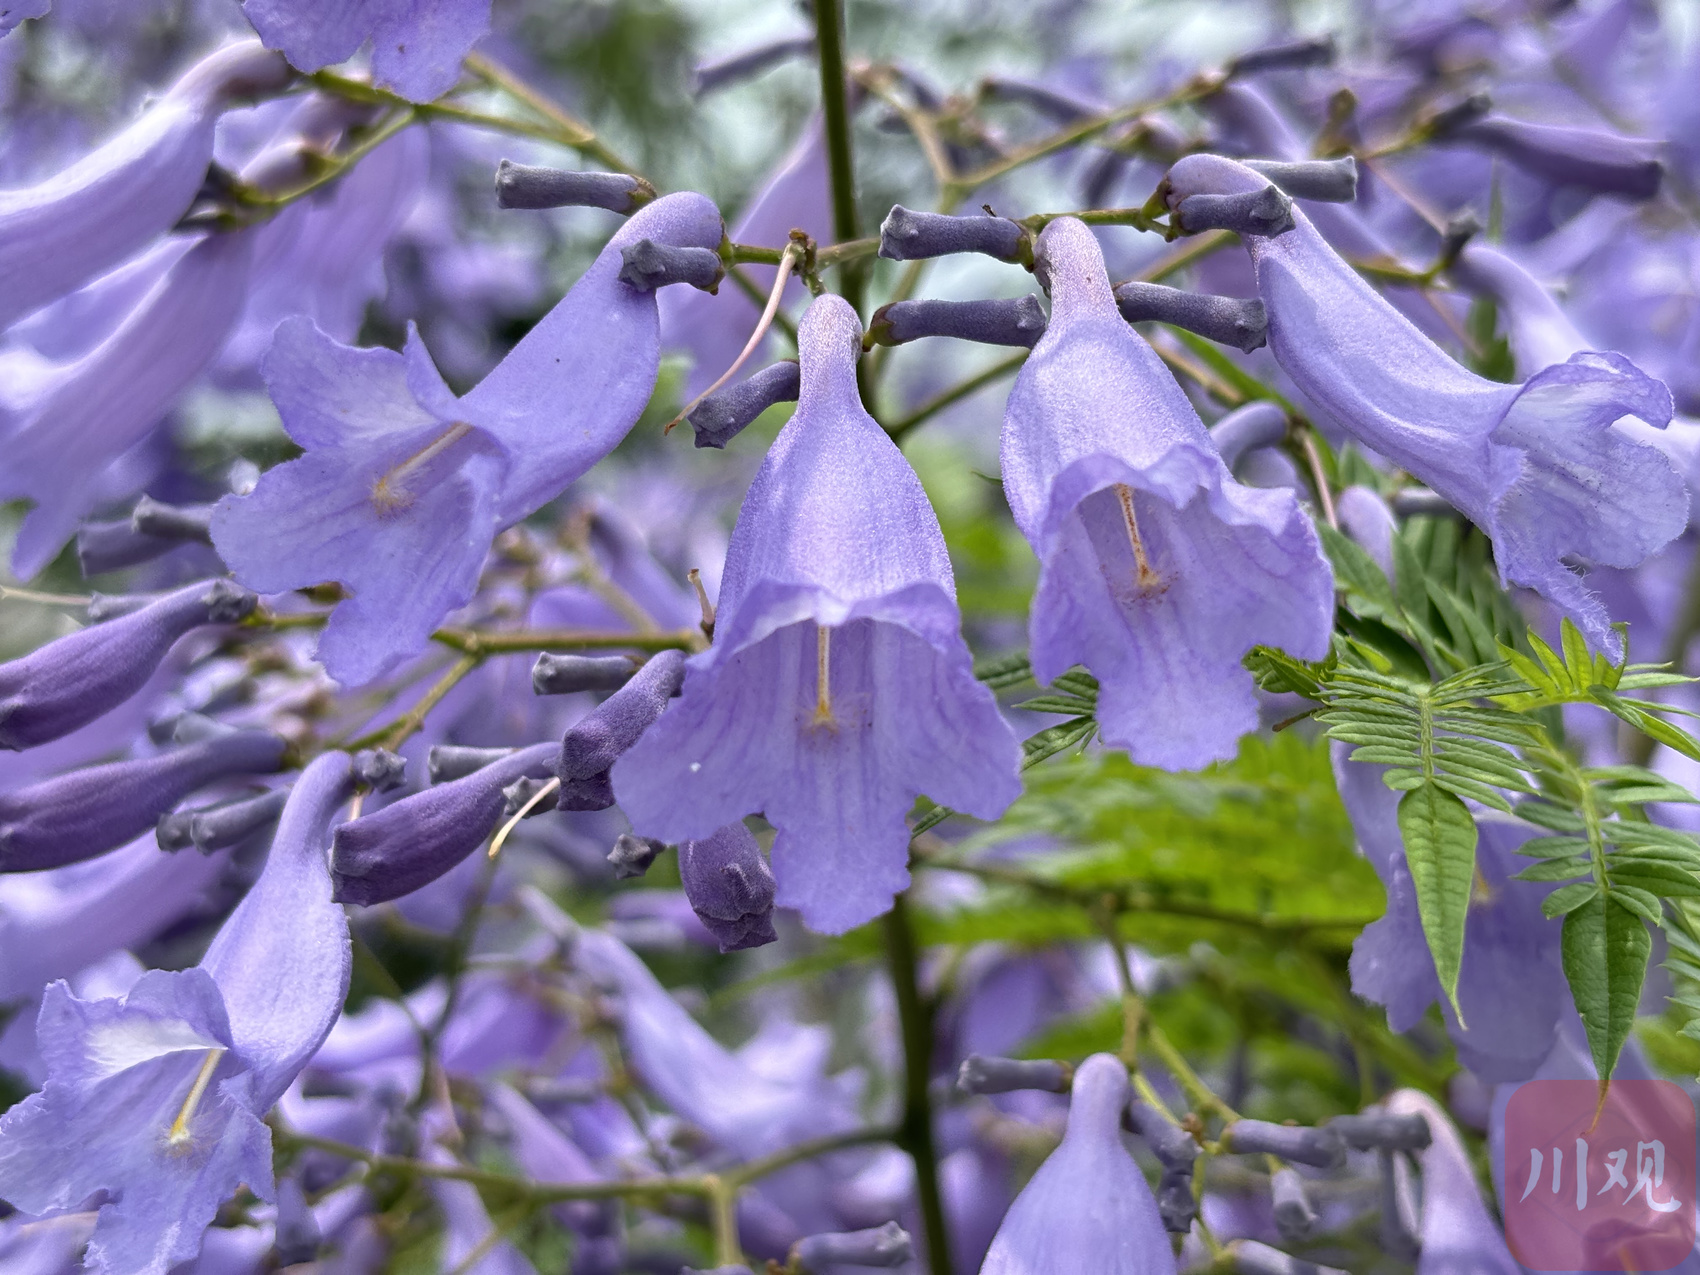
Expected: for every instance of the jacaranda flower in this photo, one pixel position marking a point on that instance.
(1456, 1229)
(417, 45)
(730, 887)
(404, 486)
(1157, 571)
(838, 686)
(1537, 466)
(156, 1100)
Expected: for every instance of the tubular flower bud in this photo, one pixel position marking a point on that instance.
(597, 740)
(216, 827)
(881, 1246)
(404, 486)
(647, 265)
(1319, 1148)
(73, 680)
(914, 236)
(151, 517)
(1019, 321)
(1283, 57)
(88, 812)
(154, 1102)
(723, 414)
(1156, 569)
(1384, 1131)
(979, 1074)
(568, 674)
(1260, 214)
(412, 842)
(838, 685)
(1540, 466)
(631, 856)
(1260, 423)
(1606, 162)
(1175, 1203)
(112, 546)
(709, 76)
(380, 769)
(1293, 1214)
(730, 887)
(447, 762)
(1330, 181)
(1087, 1208)
(417, 45)
(109, 205)
(1233, 321)
(1173, 1146)
(526, 186)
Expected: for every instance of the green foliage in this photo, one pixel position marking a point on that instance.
(1440, 850)
(1606, 946)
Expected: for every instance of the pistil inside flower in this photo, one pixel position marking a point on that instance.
(390, 493)
(823, 678)
(1146, 579)
(178, 1134)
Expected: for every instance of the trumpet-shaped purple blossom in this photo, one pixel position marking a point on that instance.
(1088, 1207)
(404, 486)
(1157, 570)
(1538, 466)
(838, 687)
(155, 1100)
(417, 45)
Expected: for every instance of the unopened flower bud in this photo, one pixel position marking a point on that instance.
(1251, 1258)
(1319, 1148)
(722, 415)
(112, 546)
(85, 813)
(1590, 158)
(73, 680)
(1260, 423)
(1331, 181)
(448, 762)
(1175, 1203)
(730, 887)
(215, 827)
(523, 792)
(1283, 57)
(1237, 321)
(1265, 212)
(1173, 1146)
(1396, 1239)
(647, 265)
(380, 769)
(596, 742)
(1018, 321)
(914, 236)
(709, 76)
(983, 1075)
(151, 517)
(1464, 111)
(525, 186)
(887, 1245)
(1062, 107)
(1293, 1214)
(566, 674)
(631, 856)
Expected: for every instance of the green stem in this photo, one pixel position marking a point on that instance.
(915, 1131)
(955, 394)
(479, 643)
(835, 106)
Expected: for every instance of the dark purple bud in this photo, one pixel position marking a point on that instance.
(1464, 111)
(1175, 1203)
(980, 1074)
(730, 887)
(380, 769)
(1596, 160)
(1284, 57)
(631, 856)
(295, 1234)
(1016, 321)
(1240, 322)
(1380, 1131)
(112, 546)
(1293, 1214)
(447, 762)
(524, 794)
(215, 827)
(1173, 1146)
(1420, 502)
(1265, 212)
(1251, 1258)
(1396, 1240)
(1260, 423)
(151, 517)
(412, 842)
(1060, 106)
(596, 742)
(887, 1245)
(748, 64)
(647, 265)
(1329, 181)
(87, 812)
(188, 728)
(914, 236)
(565, 674)
(73, 680)
(1104, 175)
(721, 416)
(1319, 1148)
(524, 186)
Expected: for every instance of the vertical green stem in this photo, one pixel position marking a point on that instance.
(915, 1129)
(835, 106)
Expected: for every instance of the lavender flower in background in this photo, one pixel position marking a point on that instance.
(838, 686)
(16, 11)
(1457, 1231)
(1157, 571)
(417, 45)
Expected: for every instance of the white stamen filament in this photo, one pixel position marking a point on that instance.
(1147, 578)
(521, 813)
(787, 260)
(178, 1134)
(823, 677)
(390, 492)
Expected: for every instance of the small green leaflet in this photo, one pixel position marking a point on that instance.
(1606, 947)
(1440, 850)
